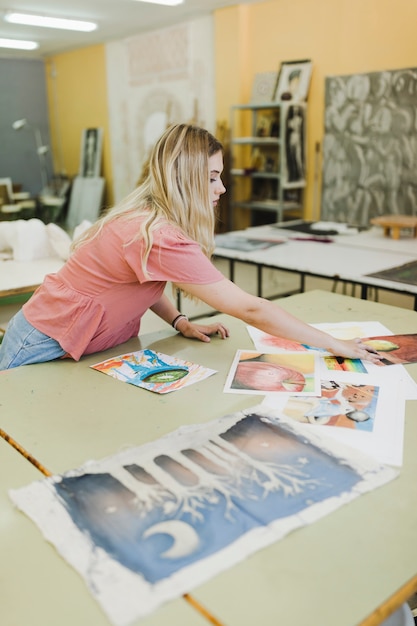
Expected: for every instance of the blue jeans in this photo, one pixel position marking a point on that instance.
(23, 344)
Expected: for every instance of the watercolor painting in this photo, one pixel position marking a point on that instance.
(153, 522)
(154, 371)
(273, 373)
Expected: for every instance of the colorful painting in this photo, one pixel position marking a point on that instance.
(342, 404)
(153, 522)
(395, 349)
(339, 363)
(154, 371)
(274, 373)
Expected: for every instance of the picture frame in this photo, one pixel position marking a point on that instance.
(6, 191)
(263, 87)
(91, 152)
(293, 81)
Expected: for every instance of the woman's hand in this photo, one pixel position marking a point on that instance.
(202, 332)
(355, 349)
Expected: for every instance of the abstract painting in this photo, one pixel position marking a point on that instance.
(370, 146)
(152, 522)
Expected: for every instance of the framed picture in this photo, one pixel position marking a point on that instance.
(293, 81)
(263, 87)
(91, 149)
(6, 191)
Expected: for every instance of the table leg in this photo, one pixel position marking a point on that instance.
(259, 272)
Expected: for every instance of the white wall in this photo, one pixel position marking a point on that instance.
(164, 76)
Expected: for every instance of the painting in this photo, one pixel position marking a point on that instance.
(293, 81)
(6, 191)
(152, 522)
(263, 87)
(341, 404)
(365, 401)
(154, 371)
(273, 373)
(91, 152)
(394, 349)
(370, 146)
(406, 273)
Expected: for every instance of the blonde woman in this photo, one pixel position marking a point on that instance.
(163, 231)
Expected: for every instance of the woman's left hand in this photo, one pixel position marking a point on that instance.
(202, 332)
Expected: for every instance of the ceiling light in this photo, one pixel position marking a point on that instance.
(18, 44)
(170, 3)
(49, 22)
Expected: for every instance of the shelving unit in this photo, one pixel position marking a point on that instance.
(267, 159)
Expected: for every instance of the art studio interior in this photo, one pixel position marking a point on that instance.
(315, 105)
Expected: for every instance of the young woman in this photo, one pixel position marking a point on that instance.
(163, 231)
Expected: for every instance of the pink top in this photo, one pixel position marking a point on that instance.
(96, 301)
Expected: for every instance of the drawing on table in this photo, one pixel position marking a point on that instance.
(395, 348)
(341, 404)
(154, 371)
(152, 522)
(274, 372)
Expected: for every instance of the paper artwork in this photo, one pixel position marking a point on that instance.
(245, 244)
(395, 348)
(152, 522)
(341, 404)
(274, 373)
(358, 403)
(154, 371)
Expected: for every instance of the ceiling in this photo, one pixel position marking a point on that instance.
(116, 19)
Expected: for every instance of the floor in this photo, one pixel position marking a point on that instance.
(274, 282)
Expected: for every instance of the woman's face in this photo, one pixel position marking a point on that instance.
(216, 186)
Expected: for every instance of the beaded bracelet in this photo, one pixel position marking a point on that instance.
(179, 317)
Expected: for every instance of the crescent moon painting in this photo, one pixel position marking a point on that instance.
(152, 522)
(185, 539)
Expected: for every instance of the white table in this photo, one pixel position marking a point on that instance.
(346, 258)
(23, 277)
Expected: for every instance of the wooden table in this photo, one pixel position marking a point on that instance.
(352, 567)
(393, 224)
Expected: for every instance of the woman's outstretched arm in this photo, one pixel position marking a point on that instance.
(228, 298)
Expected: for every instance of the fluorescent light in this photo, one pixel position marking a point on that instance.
(170, 3)
(49, 22)
(18, 44)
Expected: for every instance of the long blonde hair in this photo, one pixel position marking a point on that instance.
(175, 189)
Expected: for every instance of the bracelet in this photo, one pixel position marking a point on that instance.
(179, 317)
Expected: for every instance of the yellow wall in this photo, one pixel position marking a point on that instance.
(77, 99)
(339, 36)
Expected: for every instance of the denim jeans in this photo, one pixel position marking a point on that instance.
(23, 344)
